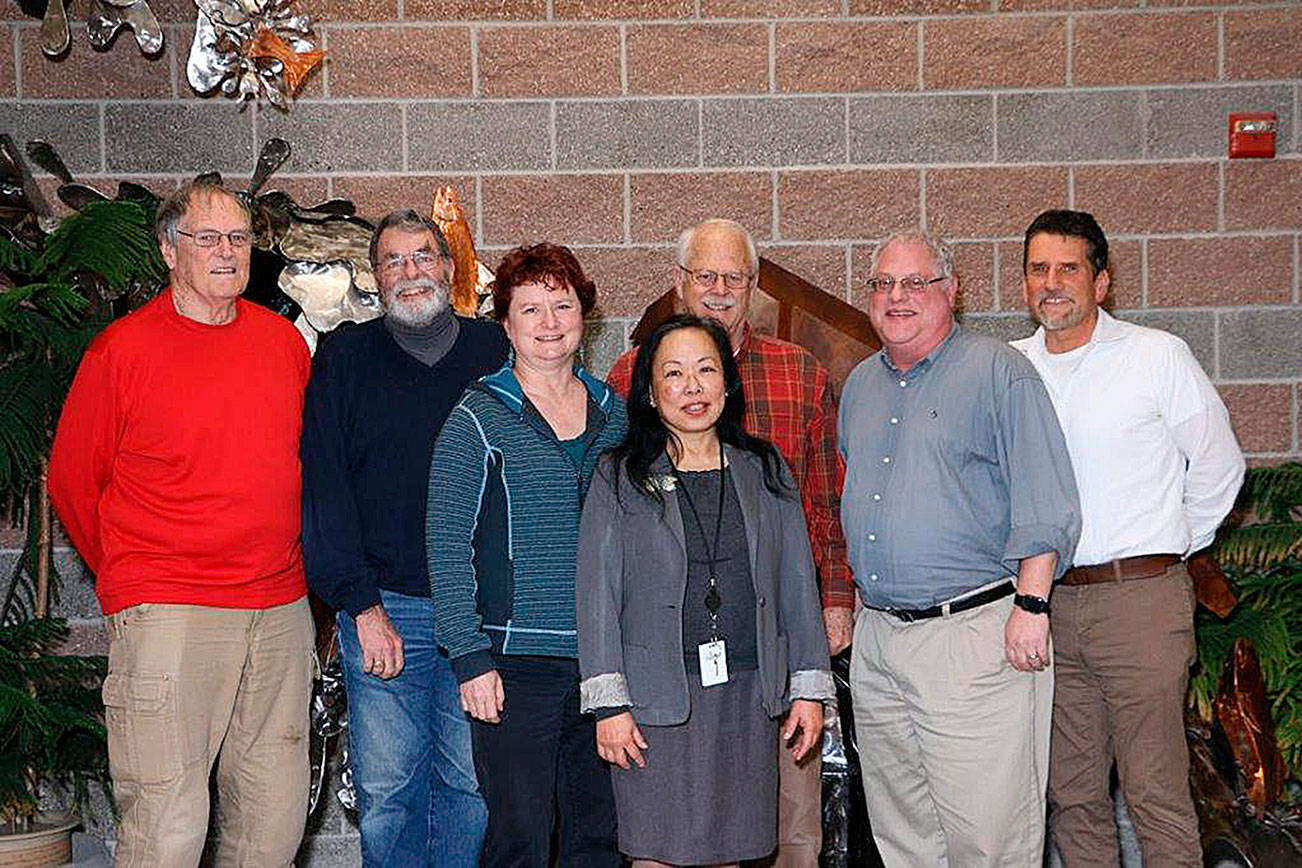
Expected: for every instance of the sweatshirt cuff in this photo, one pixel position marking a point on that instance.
(472, 665)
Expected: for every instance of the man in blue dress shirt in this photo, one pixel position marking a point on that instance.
(959, 510)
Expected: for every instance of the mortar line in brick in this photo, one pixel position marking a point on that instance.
(551, 10)
(474, 62)
(1257, 381)
(773, 57)
(551, 132)
(994, 127)
(1296, 435)
(623, 59)
(920, 34)
(700, 133)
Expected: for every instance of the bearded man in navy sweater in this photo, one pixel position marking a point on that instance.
(379, 395)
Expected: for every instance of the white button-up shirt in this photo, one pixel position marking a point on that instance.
(1156, 463)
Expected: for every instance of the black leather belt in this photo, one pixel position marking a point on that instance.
(989, 595)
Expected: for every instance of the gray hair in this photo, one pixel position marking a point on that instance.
(175, 206)
(407, 220)
(939, 250)
(688, 237)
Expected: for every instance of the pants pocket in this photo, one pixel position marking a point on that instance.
(140, 715)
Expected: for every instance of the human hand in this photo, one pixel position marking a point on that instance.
(805, 715)
(839, 622)
(482, 697)
(1026, 640)
(619, 741)
(381, 645)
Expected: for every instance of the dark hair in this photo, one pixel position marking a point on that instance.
(648, 437)
(407, 220)
(170, 211)
(1071, 224)
(540, 263)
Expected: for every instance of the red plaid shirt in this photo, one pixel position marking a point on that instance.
(789, 403)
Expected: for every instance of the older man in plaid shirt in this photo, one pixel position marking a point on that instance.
(788, 401)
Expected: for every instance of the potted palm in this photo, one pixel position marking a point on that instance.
(56, 293)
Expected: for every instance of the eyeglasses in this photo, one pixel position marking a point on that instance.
(913, 283)
(422, 259)
(706, 279)
(211, 237)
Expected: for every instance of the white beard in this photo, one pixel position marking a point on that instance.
(416, 312)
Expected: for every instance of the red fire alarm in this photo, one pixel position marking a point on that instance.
(1252, 134)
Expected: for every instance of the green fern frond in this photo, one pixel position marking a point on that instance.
(112, 239)
(1273, 491)
(1260, 545)
(16, 258)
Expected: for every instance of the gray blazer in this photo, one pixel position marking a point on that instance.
(633, 577)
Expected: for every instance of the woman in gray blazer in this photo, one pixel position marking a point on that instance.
(698, 612)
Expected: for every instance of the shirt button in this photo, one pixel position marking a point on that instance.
(895, 420)
(903, 383)
(886, 460)
(872, 537)
(877, 497)
(873, 577)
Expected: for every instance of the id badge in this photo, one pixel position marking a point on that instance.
(714, 663)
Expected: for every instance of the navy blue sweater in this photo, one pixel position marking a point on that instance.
(370, 419)
(503, 525)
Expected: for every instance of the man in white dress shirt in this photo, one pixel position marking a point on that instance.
(1158, 469)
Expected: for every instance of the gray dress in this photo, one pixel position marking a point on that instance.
(709, 791)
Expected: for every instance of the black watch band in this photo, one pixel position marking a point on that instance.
(1034, 605)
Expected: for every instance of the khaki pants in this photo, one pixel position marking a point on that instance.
(1122, 652)
(186, 683)
(800, 810)
(954, 742)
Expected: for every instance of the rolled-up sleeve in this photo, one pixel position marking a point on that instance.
(1044, 506)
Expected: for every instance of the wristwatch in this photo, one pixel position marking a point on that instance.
(1032, 604)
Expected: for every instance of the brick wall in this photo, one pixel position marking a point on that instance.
(821, 124)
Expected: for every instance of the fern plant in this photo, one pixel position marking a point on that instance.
(1261, 552)
(58, 299)
(54, 297)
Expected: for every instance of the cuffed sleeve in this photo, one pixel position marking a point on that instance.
(608, 690)
(811, 684)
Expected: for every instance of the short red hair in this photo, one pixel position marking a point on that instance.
(540, 263)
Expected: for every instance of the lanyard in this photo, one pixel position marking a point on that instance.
(713, 600)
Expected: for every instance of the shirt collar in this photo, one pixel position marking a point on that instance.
(743, 346)
(926, 361)
(1106, 330)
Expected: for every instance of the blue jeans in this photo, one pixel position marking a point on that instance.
(410, 741)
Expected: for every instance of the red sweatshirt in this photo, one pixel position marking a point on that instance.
(175, 466)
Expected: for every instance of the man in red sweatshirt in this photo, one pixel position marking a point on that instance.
(175, 472)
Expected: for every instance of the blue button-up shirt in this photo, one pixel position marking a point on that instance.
(955, 470)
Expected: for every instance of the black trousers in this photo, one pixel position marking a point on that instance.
(540, 765)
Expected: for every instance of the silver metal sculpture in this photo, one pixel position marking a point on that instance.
(251, 49)
(106, 19)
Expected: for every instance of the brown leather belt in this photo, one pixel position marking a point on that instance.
(1120, 570)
